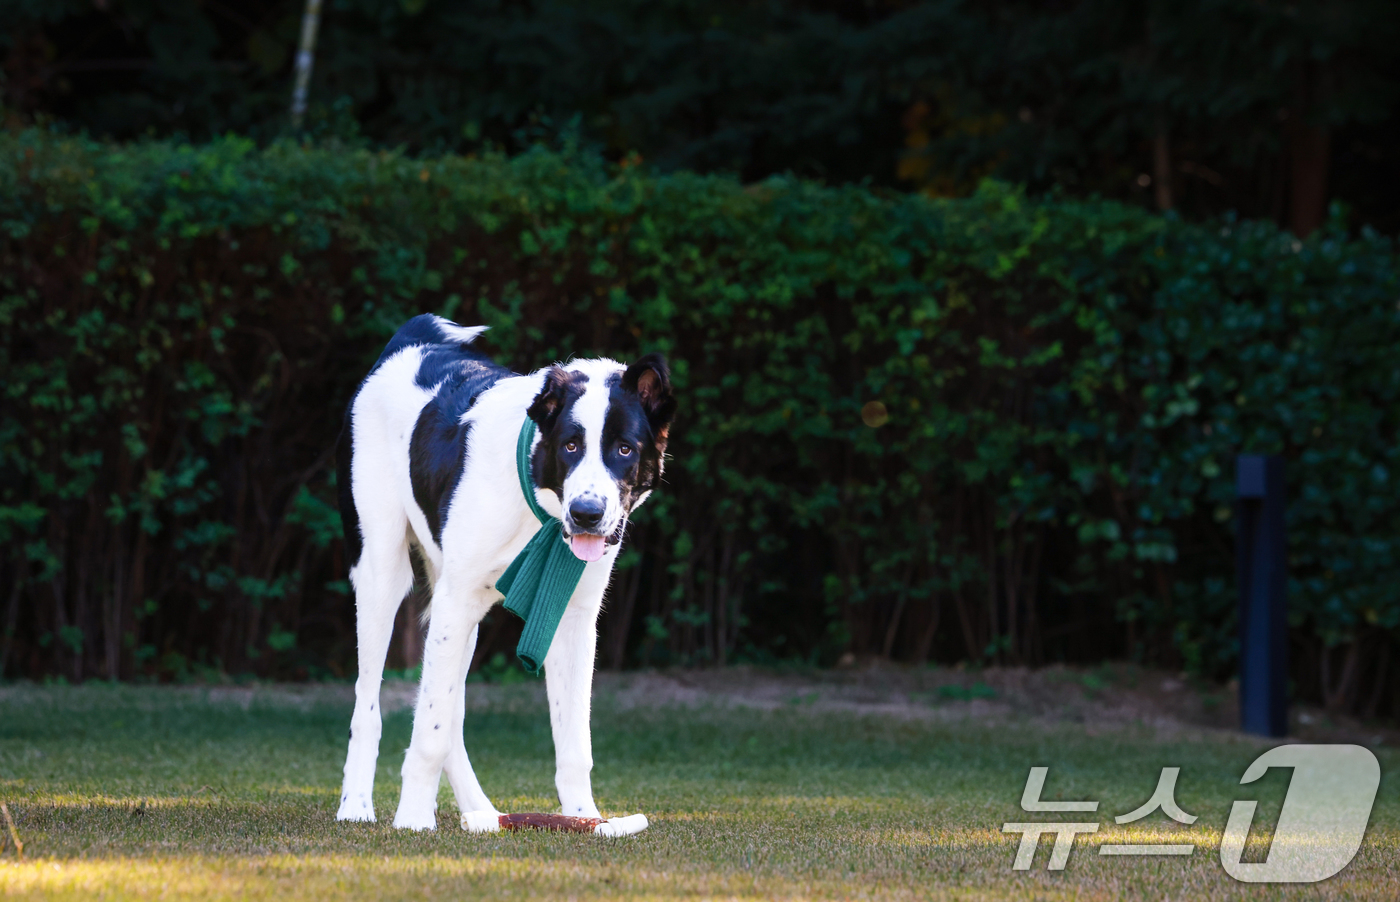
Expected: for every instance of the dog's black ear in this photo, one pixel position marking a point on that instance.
(650, 378)
(547, 404)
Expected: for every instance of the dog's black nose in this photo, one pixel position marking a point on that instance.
(586, 513)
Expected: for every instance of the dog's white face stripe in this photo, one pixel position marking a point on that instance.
(591, 478)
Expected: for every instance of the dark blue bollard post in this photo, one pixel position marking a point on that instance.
(1261, 566)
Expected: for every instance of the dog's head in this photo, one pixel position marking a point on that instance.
(603, 430)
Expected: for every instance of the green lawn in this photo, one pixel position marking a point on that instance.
(136, 792)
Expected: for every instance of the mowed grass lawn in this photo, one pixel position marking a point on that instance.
(164, 792)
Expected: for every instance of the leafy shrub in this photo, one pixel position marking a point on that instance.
(988, 429)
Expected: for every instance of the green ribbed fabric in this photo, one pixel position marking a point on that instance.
(540, 581)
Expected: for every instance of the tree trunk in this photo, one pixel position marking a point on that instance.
(306, 56)
(411, 633)
(1162, 165)
(1336, 694)
(7, 634)
(625, 602)
(1378, 685)
(921, 653)
(1309, 157)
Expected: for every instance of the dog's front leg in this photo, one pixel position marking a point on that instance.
(568, 670)
(435, 715)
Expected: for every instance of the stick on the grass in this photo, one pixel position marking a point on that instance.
(492, 822)
(560, 822)
(14, 835)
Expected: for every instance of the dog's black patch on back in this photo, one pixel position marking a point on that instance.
(449, 363)
(438, 442)
(435, 456)
(437, 451)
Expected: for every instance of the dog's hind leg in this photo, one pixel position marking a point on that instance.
(383, 576)
(438, 712)
(465, 787)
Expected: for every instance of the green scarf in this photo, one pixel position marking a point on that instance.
(540, 581)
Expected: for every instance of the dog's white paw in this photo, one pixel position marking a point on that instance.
(355, 808)
(415, 820)
(622, 826)
(417, 801)
(481, 821)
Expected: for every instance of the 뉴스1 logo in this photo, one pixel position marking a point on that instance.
(1319, 830)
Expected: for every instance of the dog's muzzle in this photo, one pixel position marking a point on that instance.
(586, 512)
(585, 515)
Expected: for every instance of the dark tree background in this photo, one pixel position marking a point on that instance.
(1268, 108)
(434, 124)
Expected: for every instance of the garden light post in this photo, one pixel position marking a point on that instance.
(1262, 572)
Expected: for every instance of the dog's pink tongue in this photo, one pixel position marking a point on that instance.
(587, 548)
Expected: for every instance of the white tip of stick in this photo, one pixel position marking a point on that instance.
(622, 826)
(481, 822)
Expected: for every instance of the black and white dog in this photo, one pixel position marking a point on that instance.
(427, 462)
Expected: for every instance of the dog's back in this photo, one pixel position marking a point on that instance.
(416, 398)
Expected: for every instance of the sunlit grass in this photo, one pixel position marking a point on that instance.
(123, 792)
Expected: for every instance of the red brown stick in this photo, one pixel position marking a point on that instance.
(559, 822)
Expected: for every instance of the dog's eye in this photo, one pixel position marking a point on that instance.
(571, 446)
(624, 450)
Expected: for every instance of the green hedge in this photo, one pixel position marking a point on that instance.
(994, 429)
